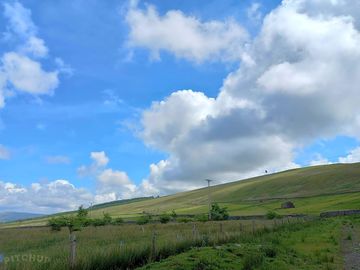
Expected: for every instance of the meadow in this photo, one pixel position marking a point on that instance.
(125, 246)
(252, 244)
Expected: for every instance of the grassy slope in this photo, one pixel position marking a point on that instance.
(312, 189)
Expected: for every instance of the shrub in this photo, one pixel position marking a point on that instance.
(143, 220)
(272, 215)
(173, 214)
(202, 218)
(117, 221)
(164, 218)
(218, 213)
(96, 222)
(107, 218)
(253, 261)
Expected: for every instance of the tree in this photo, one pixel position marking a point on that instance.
(218, 213)
(143, 220)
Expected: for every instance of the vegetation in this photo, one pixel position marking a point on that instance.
(218, 213)
(272, 215)
(314, 245)
(144, 220)
(165, 218)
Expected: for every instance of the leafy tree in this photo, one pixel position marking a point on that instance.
(218, 213)
(165, 218)
(183, 219)
(82, 212)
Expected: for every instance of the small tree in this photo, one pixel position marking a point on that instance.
(173, 214)
(218, 213)
(164, 218)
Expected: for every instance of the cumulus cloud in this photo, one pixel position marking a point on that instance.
(21, 69)
(352, 157)
(56, 196)
(111, 184)
(4, 152)
(299, 83)
(185, 36)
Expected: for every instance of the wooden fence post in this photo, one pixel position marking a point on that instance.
(241, 227)
(221, 228)
(153, 246)
(253, 226)
(194, 231)
(72, 250)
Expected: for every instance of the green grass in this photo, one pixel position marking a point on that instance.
(315, 245)
(312, 189)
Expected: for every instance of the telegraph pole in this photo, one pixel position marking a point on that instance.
(209, 196)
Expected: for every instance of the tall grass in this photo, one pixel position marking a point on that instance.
(121, 247)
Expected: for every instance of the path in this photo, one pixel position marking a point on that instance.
(350, 246)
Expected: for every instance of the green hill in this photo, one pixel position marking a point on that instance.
(312, 189)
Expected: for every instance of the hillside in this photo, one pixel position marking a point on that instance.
(312, 189)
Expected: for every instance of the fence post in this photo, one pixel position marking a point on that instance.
(194, 231)
(72, 250)
(221, 228)
(153, 246)
(253, 226)
(241, 227)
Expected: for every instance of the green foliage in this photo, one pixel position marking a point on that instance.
(107, 218)
(218, 213)
(164, 218)
(173, 214)
(272, 215)
(202, 218)
(82, 212)
(117, 221)
(96, 222)
(144, 220)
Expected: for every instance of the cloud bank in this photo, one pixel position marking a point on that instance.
(298, 82)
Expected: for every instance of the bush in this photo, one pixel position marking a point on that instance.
(107, 218)
(117, 221)
(272, 215)
(173, 214)
(202, 218)
(218, 213)
(164, 218)
(96, 222)
(143, 220)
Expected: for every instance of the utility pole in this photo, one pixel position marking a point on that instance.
(209, 196)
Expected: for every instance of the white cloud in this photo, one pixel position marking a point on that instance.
(59, 195)
(100, 160)
(4, 152)
(319, 160)
(27, 75)
(109, 181)
(185, 36)
(58, 159)
(352, 157)
(300, 85)
(21, 69)
(254, 12)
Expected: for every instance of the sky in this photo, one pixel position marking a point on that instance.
(107, 100)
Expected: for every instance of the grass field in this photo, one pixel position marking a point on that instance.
(270, 244)
(312, 189)
(314, 245)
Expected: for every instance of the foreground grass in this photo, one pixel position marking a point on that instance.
(314, 245)
(118, 247)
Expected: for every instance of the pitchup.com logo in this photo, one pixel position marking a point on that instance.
(23, 258)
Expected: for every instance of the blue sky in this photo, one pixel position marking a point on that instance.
(109, 73)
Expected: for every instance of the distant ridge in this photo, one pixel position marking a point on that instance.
(17, 216)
